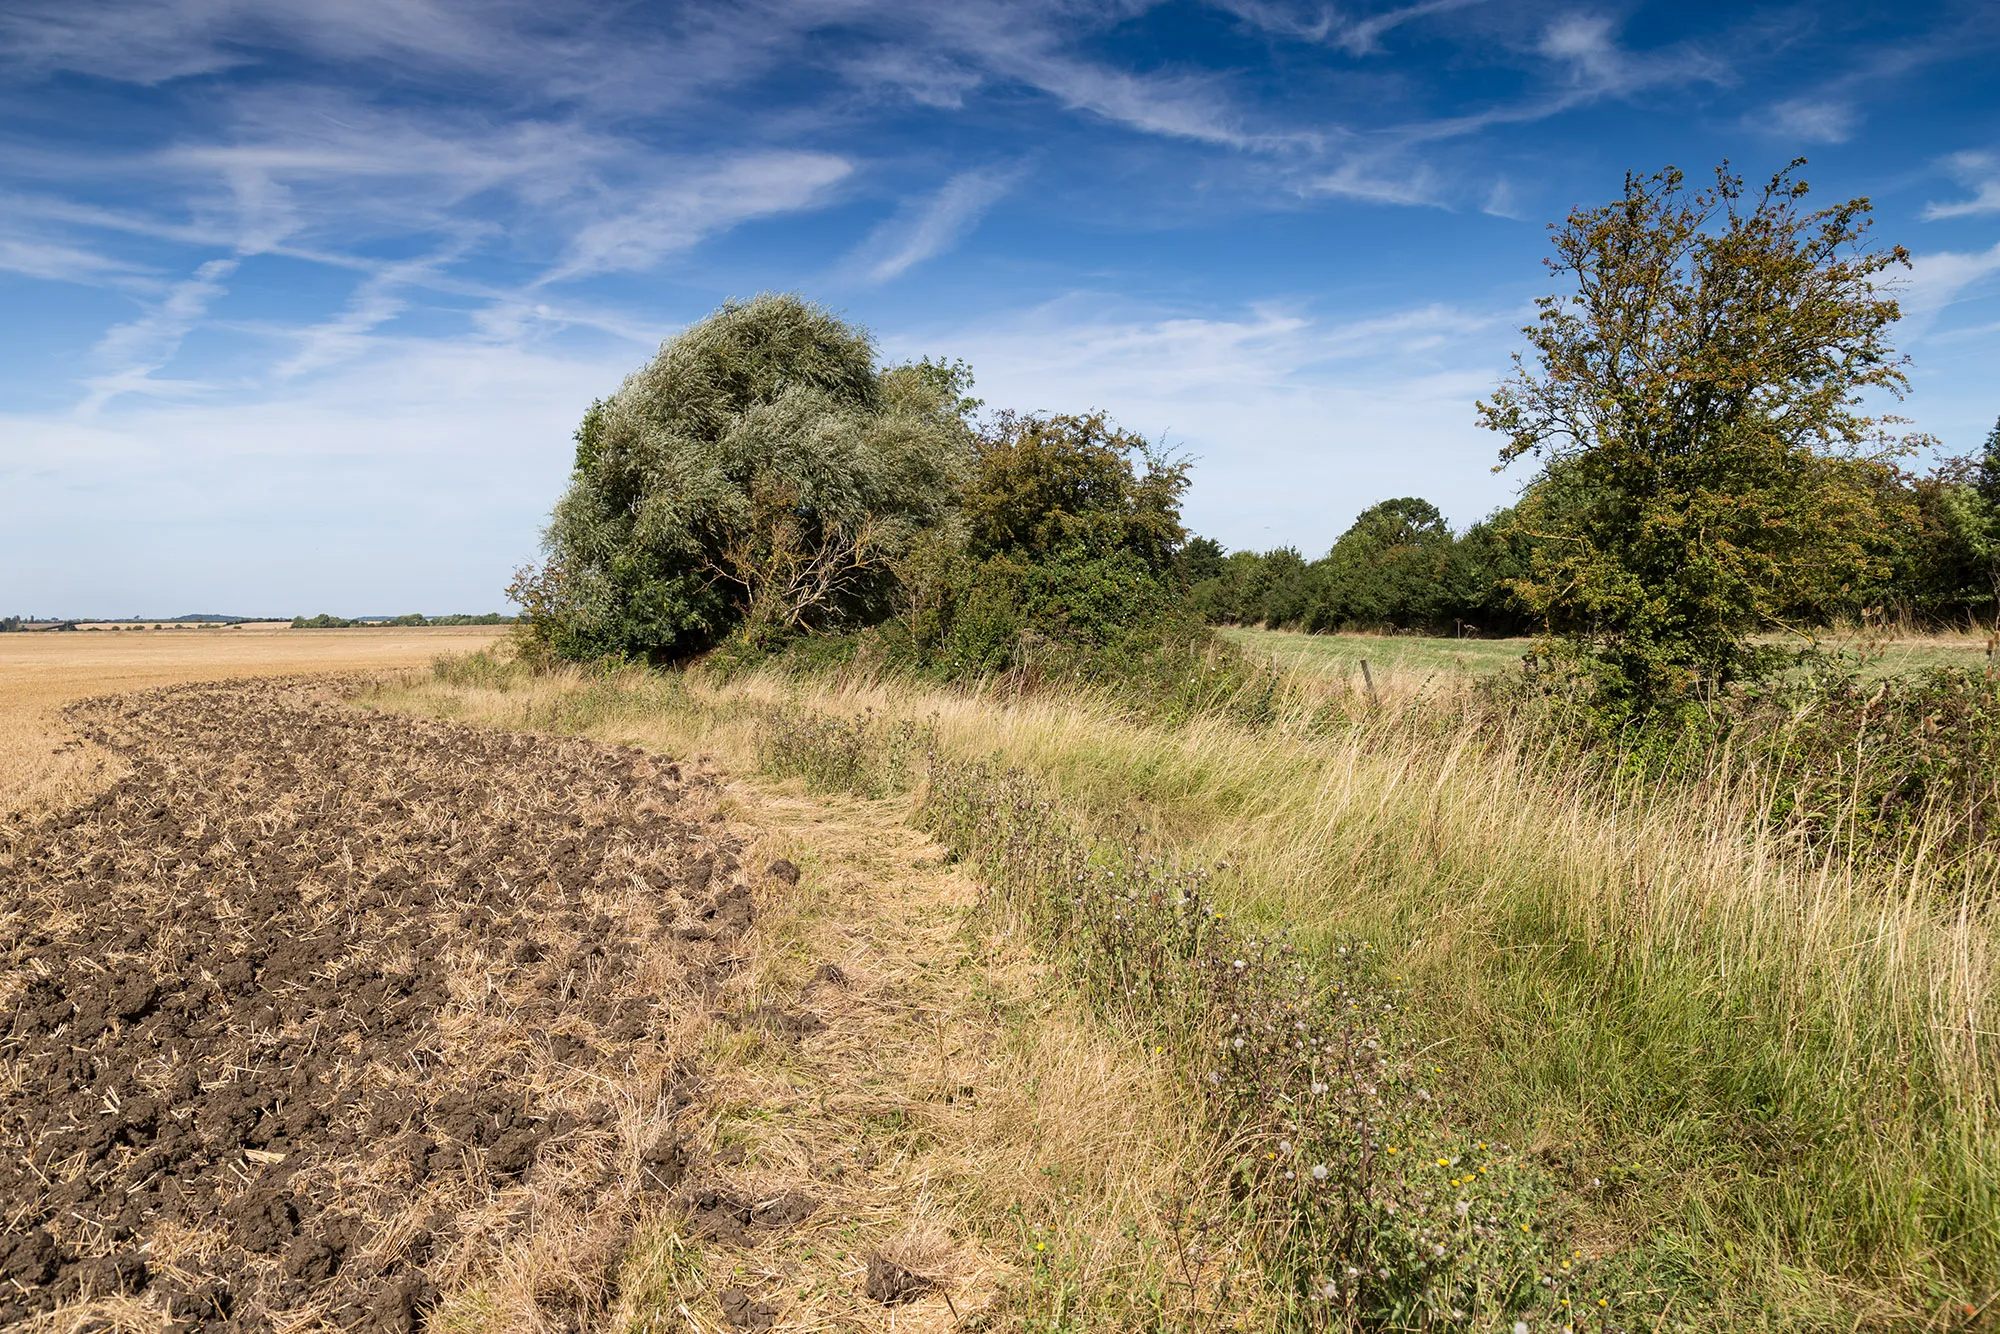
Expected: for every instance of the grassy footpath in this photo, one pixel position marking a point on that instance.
(1766, 1084)
(957, 1110)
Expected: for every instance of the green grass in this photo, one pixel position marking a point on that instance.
(1411, 660)
(1387, 655)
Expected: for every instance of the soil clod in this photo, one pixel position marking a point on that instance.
(891, 1284)
(743, 1312)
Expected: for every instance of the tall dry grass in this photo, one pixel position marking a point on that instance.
(1766, 1072)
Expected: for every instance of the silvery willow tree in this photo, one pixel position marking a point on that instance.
(758, 477)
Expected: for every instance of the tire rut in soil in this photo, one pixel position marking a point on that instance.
(319, 1011)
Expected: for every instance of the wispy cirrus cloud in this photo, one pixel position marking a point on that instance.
(1329, 25)
(60, 262)
(1814, 120)
(928, 228)
(135, 352)
(1940, 279)
(636, 234)
(1977, 172)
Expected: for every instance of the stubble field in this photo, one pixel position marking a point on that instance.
(42, 764)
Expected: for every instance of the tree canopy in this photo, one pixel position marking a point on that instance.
(758, 476)
(1694, 402)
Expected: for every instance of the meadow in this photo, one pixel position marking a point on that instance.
(1756, 1081)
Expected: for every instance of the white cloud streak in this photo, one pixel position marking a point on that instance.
(931, 228)
(57, 262)
(1356, 36)
(1813, 120)
(673, 217)
(1978, 172)
(135, 352)
(1940, 279)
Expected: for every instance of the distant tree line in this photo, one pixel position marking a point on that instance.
(326, 622)
(1931, 560)
(1397, 567)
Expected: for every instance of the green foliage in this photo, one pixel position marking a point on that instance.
(758, 477)
(1889, 766)
(1705, 467)
(1390, 564)
(1397, 567)
(1969, 521)
(1044, 485)
(1063, 559)
(324, 622)
(466, 618)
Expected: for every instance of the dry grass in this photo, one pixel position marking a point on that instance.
(1771, 1073)
(41, 768)
(959, 1115)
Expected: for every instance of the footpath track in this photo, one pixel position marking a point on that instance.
(319, 1012)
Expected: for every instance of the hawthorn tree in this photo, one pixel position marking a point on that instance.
(1694, 403)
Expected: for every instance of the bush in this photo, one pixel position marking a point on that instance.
(1064, 558)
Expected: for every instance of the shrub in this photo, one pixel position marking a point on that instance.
(1064, 558)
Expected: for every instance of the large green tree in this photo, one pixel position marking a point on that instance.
(1388, 569)
(1695, 404)
(759, 476)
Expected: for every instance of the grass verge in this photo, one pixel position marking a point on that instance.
(1764, 1081)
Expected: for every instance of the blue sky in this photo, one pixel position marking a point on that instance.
(300, 303)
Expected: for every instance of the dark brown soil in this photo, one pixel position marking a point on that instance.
(314, 1011)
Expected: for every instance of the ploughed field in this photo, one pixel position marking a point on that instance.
(318, 1013)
